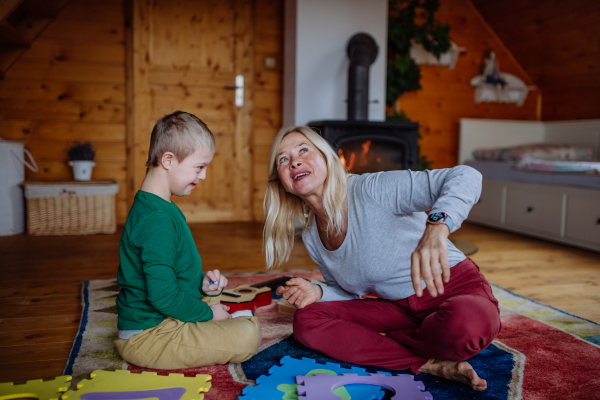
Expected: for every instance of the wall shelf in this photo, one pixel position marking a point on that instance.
(515, 90)
(423, 57)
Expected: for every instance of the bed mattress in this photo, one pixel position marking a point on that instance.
(506, 171)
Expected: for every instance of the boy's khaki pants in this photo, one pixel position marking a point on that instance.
(175, 344)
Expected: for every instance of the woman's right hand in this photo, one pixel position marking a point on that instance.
(220, 312)
(299, 292)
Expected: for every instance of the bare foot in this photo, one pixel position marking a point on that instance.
(460, 371)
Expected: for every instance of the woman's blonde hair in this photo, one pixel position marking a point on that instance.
(281, 208)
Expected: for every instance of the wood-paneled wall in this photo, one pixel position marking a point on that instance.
(268, 108)
(447, 95)
(557, 43)
(70, 85)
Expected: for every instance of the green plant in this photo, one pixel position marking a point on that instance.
(398, 116)
(81, 151)
(423, 164)
(411, 21)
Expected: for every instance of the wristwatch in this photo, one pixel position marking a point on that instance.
(437, 218)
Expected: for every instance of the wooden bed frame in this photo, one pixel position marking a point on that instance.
(562, 214)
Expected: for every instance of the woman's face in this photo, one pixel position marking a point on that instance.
(301, 166)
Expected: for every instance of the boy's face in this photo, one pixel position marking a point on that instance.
(184, 176)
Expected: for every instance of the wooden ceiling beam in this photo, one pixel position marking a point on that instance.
(7, 7)
(30, 19)
(10, 37)
(32, 26)
(43, 7)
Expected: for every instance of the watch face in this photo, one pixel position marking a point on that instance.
(436, 217)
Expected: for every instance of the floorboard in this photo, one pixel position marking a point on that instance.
(40, 298)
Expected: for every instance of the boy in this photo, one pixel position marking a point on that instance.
(169, 313)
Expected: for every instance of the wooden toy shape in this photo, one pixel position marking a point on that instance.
(319, 387)
(246, 297)
(250, 297)
(285, 307)
(49, 390)
(123, 385)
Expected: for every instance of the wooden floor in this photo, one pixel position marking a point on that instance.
(40, 299)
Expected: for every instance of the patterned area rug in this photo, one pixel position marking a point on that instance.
(541, 353)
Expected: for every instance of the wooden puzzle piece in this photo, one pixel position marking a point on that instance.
(48, 390)
(267, 386)
(320, 387)
(246, 297)
(123, 385)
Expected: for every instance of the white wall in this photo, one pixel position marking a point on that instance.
(316, 64)
(585, 133)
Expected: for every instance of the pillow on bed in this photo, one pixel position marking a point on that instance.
(534, 164)
(551, 152)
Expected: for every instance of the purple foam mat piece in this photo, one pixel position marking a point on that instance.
(319, 387)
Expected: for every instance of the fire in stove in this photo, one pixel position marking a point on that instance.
(362, 160)
(363, 156)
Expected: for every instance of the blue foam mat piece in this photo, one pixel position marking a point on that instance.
(266, 388)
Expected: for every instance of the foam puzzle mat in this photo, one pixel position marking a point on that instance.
(123, 385)
(282, 380)
(38, 389)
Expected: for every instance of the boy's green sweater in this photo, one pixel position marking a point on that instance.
(160, 273)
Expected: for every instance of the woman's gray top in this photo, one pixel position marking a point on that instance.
(386, 220)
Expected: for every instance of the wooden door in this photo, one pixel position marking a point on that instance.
(185, 53)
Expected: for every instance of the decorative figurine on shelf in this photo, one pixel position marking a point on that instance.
(82, 160)
(493, 86)
(490, 69)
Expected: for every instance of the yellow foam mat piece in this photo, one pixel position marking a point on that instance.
(121, 384)
(48, 390)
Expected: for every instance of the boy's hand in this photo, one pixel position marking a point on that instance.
(299, 292)
(213, 283)
(220, 312)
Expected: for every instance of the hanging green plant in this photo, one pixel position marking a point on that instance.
(411, 21)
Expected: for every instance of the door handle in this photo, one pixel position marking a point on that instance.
(239, 90)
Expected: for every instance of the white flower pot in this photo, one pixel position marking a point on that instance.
(82, 169)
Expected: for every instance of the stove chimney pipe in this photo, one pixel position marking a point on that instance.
(362, 51)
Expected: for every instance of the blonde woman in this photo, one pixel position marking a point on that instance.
(370, 234)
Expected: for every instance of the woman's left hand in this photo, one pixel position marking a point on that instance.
(299, 292)
(431, 251)
(219, 283)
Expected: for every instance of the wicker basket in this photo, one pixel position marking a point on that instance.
(70, 208)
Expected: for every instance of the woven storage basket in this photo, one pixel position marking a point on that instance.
(71, 208)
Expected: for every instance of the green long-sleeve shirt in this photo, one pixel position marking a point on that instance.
(160, 273)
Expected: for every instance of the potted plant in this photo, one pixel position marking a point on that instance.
(412, 22)
(82, 160)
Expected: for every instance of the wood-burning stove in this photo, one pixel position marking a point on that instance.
(368, 146)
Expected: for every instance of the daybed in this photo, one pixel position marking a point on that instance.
(561, 207)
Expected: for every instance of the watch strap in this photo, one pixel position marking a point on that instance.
(439, 218)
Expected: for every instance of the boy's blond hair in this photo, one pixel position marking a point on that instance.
(180, 133)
